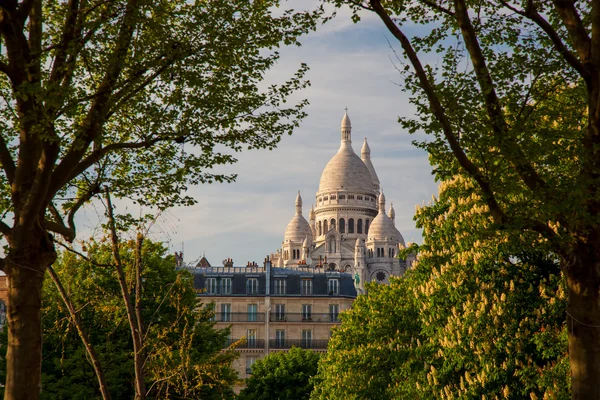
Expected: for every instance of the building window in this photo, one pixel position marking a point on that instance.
(251, 338)
(307, 286)
(359, 197)
(332, 224)
(250, 360)
(359, 226)
(325, 198)
(324, 227)
(306, 312)
(333, 286)
(342, 197)
(211, 285)
(280, 286)
(252, 312)
(319, 228)
(279, 312)
(350, 197)
(306, 339)
(280, 338)
(367, 226)
(342, 225)
(226, 286)
(252, 286)
(332, 197)
(334, 312)
(351, 225)
(225, 312)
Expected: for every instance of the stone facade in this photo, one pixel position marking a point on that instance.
(273, 309)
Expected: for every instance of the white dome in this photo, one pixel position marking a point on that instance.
(346, 171)
(298, 229)
(382, 227)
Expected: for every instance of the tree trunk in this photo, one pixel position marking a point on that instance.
(25, 266)
(583, 320)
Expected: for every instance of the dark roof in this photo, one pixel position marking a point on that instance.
(293, 281)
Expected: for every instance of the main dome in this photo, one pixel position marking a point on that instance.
(346, 171)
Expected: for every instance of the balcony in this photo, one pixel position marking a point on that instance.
(239, 317)
(281, 344)
(246, 343)
(302, 343)
(330, 318)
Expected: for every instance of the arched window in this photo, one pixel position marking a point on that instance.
(319, 228)
(378, 252)
(332, 224)
(325, 227)
(351, 225)
(359, 226)
(342, 225)
(332, 245)
(367, 226)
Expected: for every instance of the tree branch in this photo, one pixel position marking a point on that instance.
(493, 106)
(8, 165)
(581, 40)
(97, 155)
(496, 211)
(96, 116)
(5, 229)
(83, 256)
(436, 6)
(136, 334)
(532, 14)
(76, 321)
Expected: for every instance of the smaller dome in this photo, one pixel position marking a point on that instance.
(382, 227)
(311, 214)
(298, 228)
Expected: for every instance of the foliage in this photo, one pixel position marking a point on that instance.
(282, 375)
(480, 315)
(184, 357)
(512, 107)
(143, 97)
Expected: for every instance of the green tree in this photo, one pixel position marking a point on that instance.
(513, 106)
(107, 93)
(282, 376)
(183, 353)
(480, 315)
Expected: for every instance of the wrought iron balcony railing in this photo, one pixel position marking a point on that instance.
(305, 317)
(247, 343)
(239, 317)
(302, 343)
(282, 344)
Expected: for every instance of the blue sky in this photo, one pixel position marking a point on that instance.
(350, 66)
